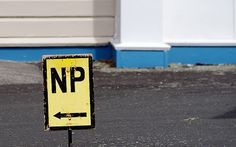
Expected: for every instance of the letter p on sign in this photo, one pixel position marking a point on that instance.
(68, 90)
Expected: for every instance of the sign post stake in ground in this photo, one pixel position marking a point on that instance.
(69, 137)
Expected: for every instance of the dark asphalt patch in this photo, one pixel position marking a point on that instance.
(132, 109)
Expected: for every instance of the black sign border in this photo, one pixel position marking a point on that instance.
(46, 117)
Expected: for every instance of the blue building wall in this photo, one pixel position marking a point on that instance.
(30, 54)
(203, 55)
(131, 58)
(176, 54)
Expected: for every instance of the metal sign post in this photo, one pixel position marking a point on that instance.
(69, 137)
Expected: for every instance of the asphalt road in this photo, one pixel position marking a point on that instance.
(133, 108)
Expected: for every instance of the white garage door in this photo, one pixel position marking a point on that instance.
(56, 22)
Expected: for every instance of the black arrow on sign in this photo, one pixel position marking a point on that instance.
(60, 115)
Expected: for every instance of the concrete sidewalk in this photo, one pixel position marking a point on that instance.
(19, 73)
(31, 73)
(180, 106)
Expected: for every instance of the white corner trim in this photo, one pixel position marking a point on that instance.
(141, 46)
(43, 42)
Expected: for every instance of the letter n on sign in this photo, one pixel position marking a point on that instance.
(68, 92)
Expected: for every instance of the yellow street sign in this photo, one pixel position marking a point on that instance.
(68, 90)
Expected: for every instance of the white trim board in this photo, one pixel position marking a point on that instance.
(202, 43)
(50, 42)
(141, 46)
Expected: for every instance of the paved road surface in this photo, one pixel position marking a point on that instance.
(139, 108)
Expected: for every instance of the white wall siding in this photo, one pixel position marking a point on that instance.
(91, 19)
(198, 20)
(47, 8)
(56, 27)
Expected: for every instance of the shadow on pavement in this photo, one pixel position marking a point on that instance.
(228, 115)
